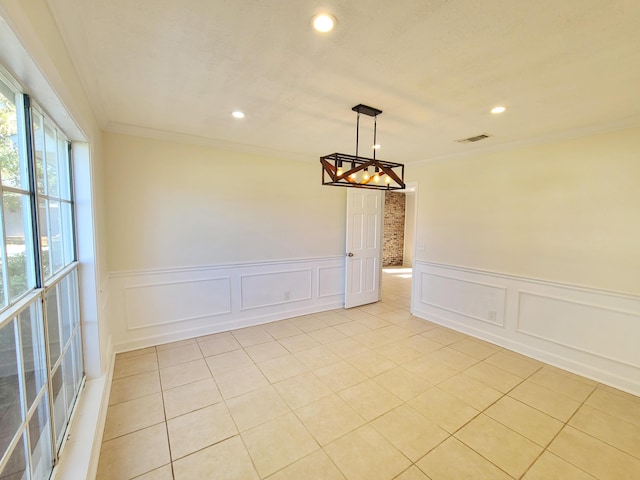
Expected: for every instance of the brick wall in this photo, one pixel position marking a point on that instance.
(392, 248)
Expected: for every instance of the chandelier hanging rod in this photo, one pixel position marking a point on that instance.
(370, 111)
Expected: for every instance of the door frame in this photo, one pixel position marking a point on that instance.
(413, 188)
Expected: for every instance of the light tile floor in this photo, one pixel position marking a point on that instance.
(367, 393)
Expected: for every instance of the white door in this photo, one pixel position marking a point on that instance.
(364, 250)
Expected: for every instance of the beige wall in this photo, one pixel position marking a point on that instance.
(567, 211)
(175, 205)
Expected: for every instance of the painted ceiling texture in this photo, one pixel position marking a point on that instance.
(177, 69)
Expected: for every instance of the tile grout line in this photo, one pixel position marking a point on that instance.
(584, 403)
(222, 400)
(546, 448)
(481, 412)
(239, 434)
(166, 423)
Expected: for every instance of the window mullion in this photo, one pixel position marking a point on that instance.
(35, 214)
(72, 200)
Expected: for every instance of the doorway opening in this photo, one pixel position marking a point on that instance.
(398, 242)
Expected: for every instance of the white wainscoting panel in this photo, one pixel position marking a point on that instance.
(160, 306)
(594, 329)
(587, 331)
(330, 281)
(275, 288)
(478, 301)
(155, 303)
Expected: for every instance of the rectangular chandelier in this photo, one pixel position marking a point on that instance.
(344, 170)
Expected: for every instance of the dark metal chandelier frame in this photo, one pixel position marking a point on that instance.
(343, 170)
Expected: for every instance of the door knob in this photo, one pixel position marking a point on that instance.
(349, 254)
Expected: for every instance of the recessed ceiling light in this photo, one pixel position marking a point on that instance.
(324, 22)
(237, 114)
(377, 146)
(499, 109)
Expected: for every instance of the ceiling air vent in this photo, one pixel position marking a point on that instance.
(477, 138)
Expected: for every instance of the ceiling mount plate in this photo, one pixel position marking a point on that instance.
(367, 110)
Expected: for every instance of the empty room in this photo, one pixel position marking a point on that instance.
(339, 240)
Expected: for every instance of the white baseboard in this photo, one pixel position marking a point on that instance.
(587, 331)
(174, 336)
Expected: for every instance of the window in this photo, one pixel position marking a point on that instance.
(41, 367)
(55, 206)
(17, 257)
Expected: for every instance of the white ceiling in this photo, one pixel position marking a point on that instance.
(435, 68)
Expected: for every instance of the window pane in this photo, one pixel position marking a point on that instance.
(55, 236)
(40, 438)
(59, 405)
(17, 222)
(38, 137)
(67, 308)
(51, 159)
(13, 165)
(45, 249)
(73, 281)
(68, 376)
(51, 303)
(66, 210)
(52, 236)
(33, 355)
(77, 357)
(11, 418)
(16, 468)
(64, 174)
